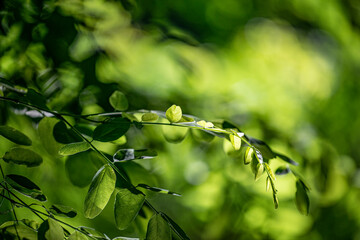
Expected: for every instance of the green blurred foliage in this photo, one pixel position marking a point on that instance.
(284, 71)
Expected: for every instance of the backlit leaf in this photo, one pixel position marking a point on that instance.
(235, 141)
(174, 114)
(149, 117)
(77, 236)
(92, 233)
(118, 101)
(248, 155)
(64, 211)
(111, 130)
(127, 206)
(15, 135)
(45, 130)
(23, 156)
(175, 227)
(73, 148)
(174, 134)
(158, 229)
(101, 188)
(24, 186)
(11, 230)
(50, 230)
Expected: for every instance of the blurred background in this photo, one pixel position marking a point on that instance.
(285, 72)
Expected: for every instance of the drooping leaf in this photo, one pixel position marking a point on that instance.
(248, 156)
(11, 230)
(149, 117)
(94, 233)
(73, 148)
(15, 135)
(23, 156)
(282, 170)
(286, 159)
(263, 148)
(276, 200)
(101, 188)
(235, 141)
(118, 101)
(301, 198)
(77, 236)
(111, 130)
(159, 190)
(24, 186)
(257, 167)
(64, 135)
(45, 130)
(174, 114)
(268, 183)
(269, 171)
(80, 168)
(131, 154)
(127, 206)
(175, 227)
(50, 229)
(158, 229)
(63, 211)
(174, 134)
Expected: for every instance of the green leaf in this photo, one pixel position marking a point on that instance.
(77, 236)
(286, 159)
(125, 238)
(101, 188)
(45, 130)
(63, 211)
(118, 101)
(174, 114)
(93, 233)
(64, 135)
(301, 198)
(263, 148)
(24, 186)
(23, 156)
(36, 99)
(158, 229)
(235, 141)
(80, 168)
(73, 148)
(111, 130)
(282, 170)
(202, 136)
(149, 117)
(15, 135)
(275, 200)
(256, 166)
(248, 156)
(159, 190)
(175, 227)
(50, 230)
(127, 205)
(131, 154)
(174, 134)
(11, 230)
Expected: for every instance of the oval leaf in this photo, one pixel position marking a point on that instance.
(45, 130)
(248, 155)
(301, 198)
(174, 134)
(235, 141)
(80, 168)
(111, 130)
(149, 117)
(127, 205)
(131, 154)
(50, 230)
(118, 101)
(64, 211)
(158, 229)
(92, 233)
(77, 236)
(15, 135)
(23, 156)
(73, 148)
(11, 230)
(174, 114)
(24, 186)
(101, 188)
(64, 135)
